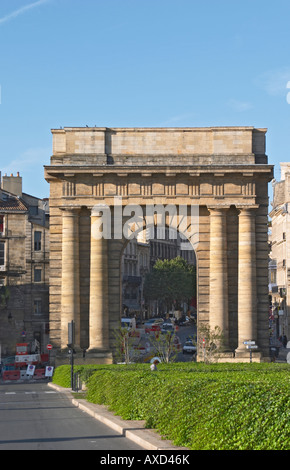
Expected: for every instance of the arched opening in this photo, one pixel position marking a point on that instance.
(151, 247)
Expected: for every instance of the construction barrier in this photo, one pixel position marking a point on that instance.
(44, 358)
(11, 375)
(39, 374)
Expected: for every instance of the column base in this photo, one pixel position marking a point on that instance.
(243, 355)
(225, 356)
(234, 357)
(99, 356)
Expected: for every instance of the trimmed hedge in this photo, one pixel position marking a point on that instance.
(200, 406)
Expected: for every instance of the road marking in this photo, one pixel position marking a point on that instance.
(28, 393)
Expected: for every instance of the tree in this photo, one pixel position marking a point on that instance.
(210, 343)
(126, 345)
(171, 281)
(165, 346)
(4, 296)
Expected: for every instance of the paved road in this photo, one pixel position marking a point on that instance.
(183, 333)
(34, 417)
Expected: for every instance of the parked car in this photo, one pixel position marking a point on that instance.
(129, 323)
(184, 320)
(153, 324)
(189, 348)
(168, 328)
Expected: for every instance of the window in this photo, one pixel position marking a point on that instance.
(2, 254)
(273, 277)
(37, 275)
(1, 223)
(37, 307)
(37, 241)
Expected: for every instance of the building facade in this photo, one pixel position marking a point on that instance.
(279, 263)
(24, 267)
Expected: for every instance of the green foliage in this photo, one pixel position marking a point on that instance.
(164, 346)
(125, 345)
(4, 296)
(210, 343)
(171, 280)
(200, 406)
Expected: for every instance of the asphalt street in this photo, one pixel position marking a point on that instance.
(35, 417)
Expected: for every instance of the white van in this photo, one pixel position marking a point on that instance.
(129, 323)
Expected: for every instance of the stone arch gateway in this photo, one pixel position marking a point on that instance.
(221, 171)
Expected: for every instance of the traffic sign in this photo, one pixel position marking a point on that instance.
(249, 342)
(49, 347)
(48, 371)
(252, 346)
(30, 370)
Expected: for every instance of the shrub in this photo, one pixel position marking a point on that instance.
(200, 406)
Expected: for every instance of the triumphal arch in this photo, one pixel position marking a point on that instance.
(220, 172)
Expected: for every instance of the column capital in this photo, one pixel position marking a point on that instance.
(98, 209)
(70, 210)
(246, 207)
(218, 207)
(218, 211)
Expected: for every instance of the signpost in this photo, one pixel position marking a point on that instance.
(71, 341)
(49, 348)
(251, 345)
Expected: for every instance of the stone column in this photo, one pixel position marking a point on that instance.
(219, 272)
(247, 289)
(70, 278)
(99, 311)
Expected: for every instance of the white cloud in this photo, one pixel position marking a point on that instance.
(179, 118)
(29, 161)
(22, 10)
(239, 106)
(274, 82)
(30, 166)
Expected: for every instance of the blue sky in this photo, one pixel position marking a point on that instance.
(139, 63)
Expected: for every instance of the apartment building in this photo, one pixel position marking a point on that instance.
(24, 267)
(279, 262)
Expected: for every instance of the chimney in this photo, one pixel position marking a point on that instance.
(12, 184)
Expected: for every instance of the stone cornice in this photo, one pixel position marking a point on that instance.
(216, 170)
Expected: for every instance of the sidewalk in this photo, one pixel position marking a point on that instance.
(133, 430)
(283, 353)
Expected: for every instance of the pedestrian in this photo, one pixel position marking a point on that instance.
(284, 341)
(154, 365)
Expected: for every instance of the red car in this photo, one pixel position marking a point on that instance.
(154, 327)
